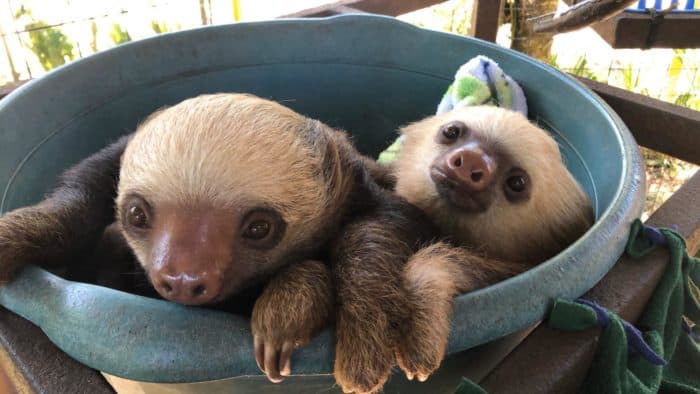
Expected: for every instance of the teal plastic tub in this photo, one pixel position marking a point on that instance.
(365, 74)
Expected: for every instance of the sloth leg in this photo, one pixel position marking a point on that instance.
(66, 225)
(294, 307)
(432, 278)
(368, 263)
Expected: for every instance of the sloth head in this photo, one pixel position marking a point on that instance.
(221, 189)
(493, 180)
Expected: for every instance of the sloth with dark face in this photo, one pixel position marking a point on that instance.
(219, 191)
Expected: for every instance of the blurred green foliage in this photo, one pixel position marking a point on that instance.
(119, 35)
(49, 44)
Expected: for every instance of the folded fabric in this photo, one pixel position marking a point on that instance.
(480, 81)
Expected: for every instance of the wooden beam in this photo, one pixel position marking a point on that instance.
(384, 7)
(7, 89)
(43, 367)
(655, 124)
(637, 30)
(556, 361)
(579, 15)
(486, 17)
(343, 9)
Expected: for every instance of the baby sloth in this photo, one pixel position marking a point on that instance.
(493, 182)
(214, 196)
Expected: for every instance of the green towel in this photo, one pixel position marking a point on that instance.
(480, 81)
(667, 321)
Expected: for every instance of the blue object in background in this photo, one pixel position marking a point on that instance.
(688, 6)
(365, 74)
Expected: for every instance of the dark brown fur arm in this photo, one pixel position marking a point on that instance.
(294, 307)
(68, 223)
(368, 259)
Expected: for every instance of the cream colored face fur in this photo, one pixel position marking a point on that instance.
(227, 151)
(516, 231)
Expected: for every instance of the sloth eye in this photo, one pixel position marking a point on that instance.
(451, 131)
(517, 185)
(257, 230)
(137, 214)
(262, 228)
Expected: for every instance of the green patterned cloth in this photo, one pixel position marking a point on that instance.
(477, 82)
(669, 324)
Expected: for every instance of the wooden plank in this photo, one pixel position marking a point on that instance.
(655, 124)
(556, 361)
(636, 30)
(632, 30)
(384, 7)
(7, 89)
(486, 17)
(342, 9)
(44, 368)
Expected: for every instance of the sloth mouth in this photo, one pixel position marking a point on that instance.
(457, 194)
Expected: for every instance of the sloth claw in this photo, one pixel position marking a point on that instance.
(416, 366)
(274, 360)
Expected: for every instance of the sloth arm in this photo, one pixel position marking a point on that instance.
(367, 260)
(66, 225)
(295, 306)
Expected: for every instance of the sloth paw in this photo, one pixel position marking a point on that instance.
(421, 348)
(293, 308)
(361, 380)
(362, 367)
(275, 338)
(419, 361)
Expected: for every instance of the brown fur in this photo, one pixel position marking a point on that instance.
(63, 228)
(371, 302)
(21, 233)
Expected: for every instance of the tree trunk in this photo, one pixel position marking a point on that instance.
(13, 71)
(203, 12)
(537, 45)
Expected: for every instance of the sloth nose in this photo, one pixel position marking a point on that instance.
(189, 289)
(472, 168)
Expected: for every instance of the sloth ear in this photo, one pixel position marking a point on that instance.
(338, 160)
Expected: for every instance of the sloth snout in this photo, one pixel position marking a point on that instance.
(472, 168)
(189, 289)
